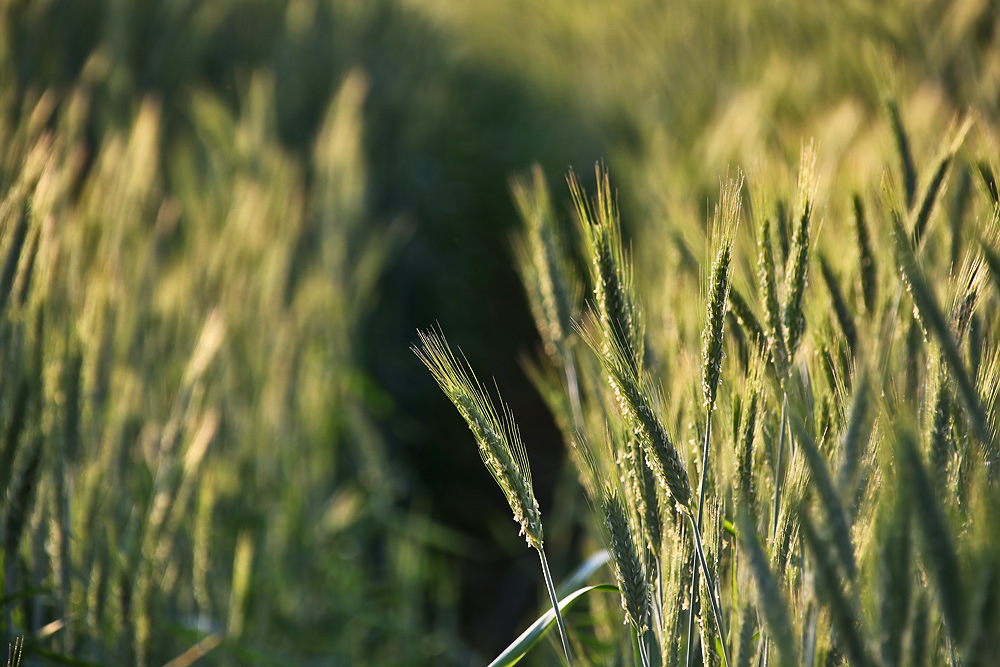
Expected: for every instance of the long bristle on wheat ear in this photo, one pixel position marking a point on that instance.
(499, 443)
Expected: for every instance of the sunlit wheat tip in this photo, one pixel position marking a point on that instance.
(726, 220)
(769, 301)
(499, 442)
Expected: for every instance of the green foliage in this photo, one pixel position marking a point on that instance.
(831, 560)
(221, 222)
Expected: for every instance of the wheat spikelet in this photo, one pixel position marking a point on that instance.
(611, 272)
(907, 167)
(939, 551)
(768, 287)
(771, 600)
(541, 259)
(639, 404)
(867, 270)
(932, 190)
(796, 274)
(894, 563)
(932, 317)
(747, 645)
(822, 481)
(844, 317)
(628, 566)
(499, 442)
(829, 588)
(854, 436)
(726, 221)
(746, 434)
(713, 547)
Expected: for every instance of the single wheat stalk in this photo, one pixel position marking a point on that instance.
(500, 447)
(726, 221)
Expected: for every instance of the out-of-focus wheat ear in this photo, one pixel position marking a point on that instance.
(981, 642)
(771, 600)
(769, 301)
(838, 524)
(741, 310)
(26, 270)
(19, 501)
(12, 256)
(627, 564)
(796, 274)
(677, 564)
(787, 524)
(941, 444)
(989, 389)
(830, 590)
(17, 420)
(844, 317)
(647, 504)
(916, 650)
(957, 211)
(242, 574)
(991, 255)
(553, 291)
(971, 283)
(747, 646)
(867, 270)
(97, 592)
(940, 555)
(895, 587)
(907, 167)
(202, 563)
(610, 269)
(746, 434)
(933, 188)
(499, 443)
(932, 317)
(781, 222)
(854, 436)
(726, 222)
(710, 632)
(639, 403)
(989, 181)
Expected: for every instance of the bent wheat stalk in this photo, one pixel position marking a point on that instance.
(499, 445)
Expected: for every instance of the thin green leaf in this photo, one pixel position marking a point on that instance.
(520, 647)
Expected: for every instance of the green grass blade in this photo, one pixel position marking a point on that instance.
(520, 647)
(584, 572)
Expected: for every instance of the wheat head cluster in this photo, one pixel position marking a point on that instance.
(818, 486)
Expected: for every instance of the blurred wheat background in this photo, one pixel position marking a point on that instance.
(221, 224)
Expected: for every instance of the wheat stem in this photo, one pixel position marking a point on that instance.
(777, 466)
(701, 504)
(712, 589)
(555, 605)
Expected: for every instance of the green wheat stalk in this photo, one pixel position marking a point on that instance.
(500, 447)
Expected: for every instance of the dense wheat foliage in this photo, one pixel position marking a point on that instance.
(749, 363)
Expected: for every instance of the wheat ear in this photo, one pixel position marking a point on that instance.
(500, 447)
